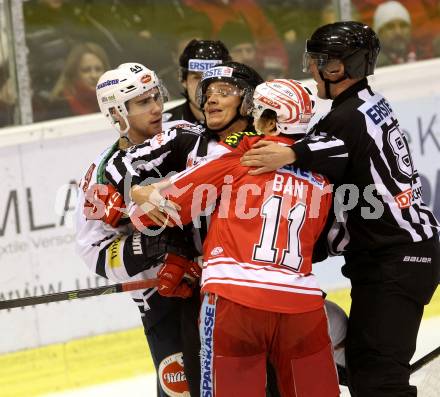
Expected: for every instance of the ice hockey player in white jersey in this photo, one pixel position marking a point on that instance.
(131, 97)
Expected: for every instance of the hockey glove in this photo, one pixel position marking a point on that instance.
(143, 252)
(105, 203)
(171, 276)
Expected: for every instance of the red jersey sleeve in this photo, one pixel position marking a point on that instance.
(199, 187)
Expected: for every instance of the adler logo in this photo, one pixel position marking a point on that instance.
(269, 102)
(146, 78)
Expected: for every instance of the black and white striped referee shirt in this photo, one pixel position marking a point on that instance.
(378, 195)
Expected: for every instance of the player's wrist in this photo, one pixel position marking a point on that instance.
(135, 193)
(290, 155)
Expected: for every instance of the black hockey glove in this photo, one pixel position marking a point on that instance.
(142, 252)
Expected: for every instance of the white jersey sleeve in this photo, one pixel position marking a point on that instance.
(101, 246)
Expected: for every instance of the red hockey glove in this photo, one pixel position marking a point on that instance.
(193, 271)
(171, 276)
(105, 203)
(183, 290)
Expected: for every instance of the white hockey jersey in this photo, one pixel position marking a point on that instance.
(102, 247)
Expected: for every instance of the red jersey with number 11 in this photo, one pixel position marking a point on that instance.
(258, 251)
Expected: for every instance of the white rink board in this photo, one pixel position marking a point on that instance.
(36, 242)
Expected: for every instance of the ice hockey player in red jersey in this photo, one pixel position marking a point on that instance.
(261, 300)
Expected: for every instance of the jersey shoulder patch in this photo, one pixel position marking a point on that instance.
(234, 139)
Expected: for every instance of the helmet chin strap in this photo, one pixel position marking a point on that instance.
(123, 133)
(327, 83)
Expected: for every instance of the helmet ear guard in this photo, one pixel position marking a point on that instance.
(163, 91)
(247, 103)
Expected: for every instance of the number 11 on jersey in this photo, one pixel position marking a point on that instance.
(266, 250)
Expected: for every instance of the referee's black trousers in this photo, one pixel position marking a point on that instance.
(389, 290)
(189, 315)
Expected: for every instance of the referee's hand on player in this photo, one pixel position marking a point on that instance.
(267, 156)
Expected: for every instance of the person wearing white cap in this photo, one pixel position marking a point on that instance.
(392, 22)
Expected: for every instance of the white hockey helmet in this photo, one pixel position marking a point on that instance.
(117, 86)
(291, 100)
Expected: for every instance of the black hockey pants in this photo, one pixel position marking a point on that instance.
(171, 329)
(389, 290)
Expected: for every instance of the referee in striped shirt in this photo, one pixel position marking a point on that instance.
(388, 236)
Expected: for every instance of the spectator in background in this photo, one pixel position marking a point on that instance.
(169, 72)
(121, 28)
(330, 14)
(392, 22)
(436, 46)
(241, 44)
(50, 34)
(152, 32)
(77, 83)
(425, 21)
(8, 96)
(269, 47)
(294, 21)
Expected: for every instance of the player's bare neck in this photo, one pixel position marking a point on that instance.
(239, 126)
(136, 138)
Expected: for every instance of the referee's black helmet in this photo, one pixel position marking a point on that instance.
(354, 43)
